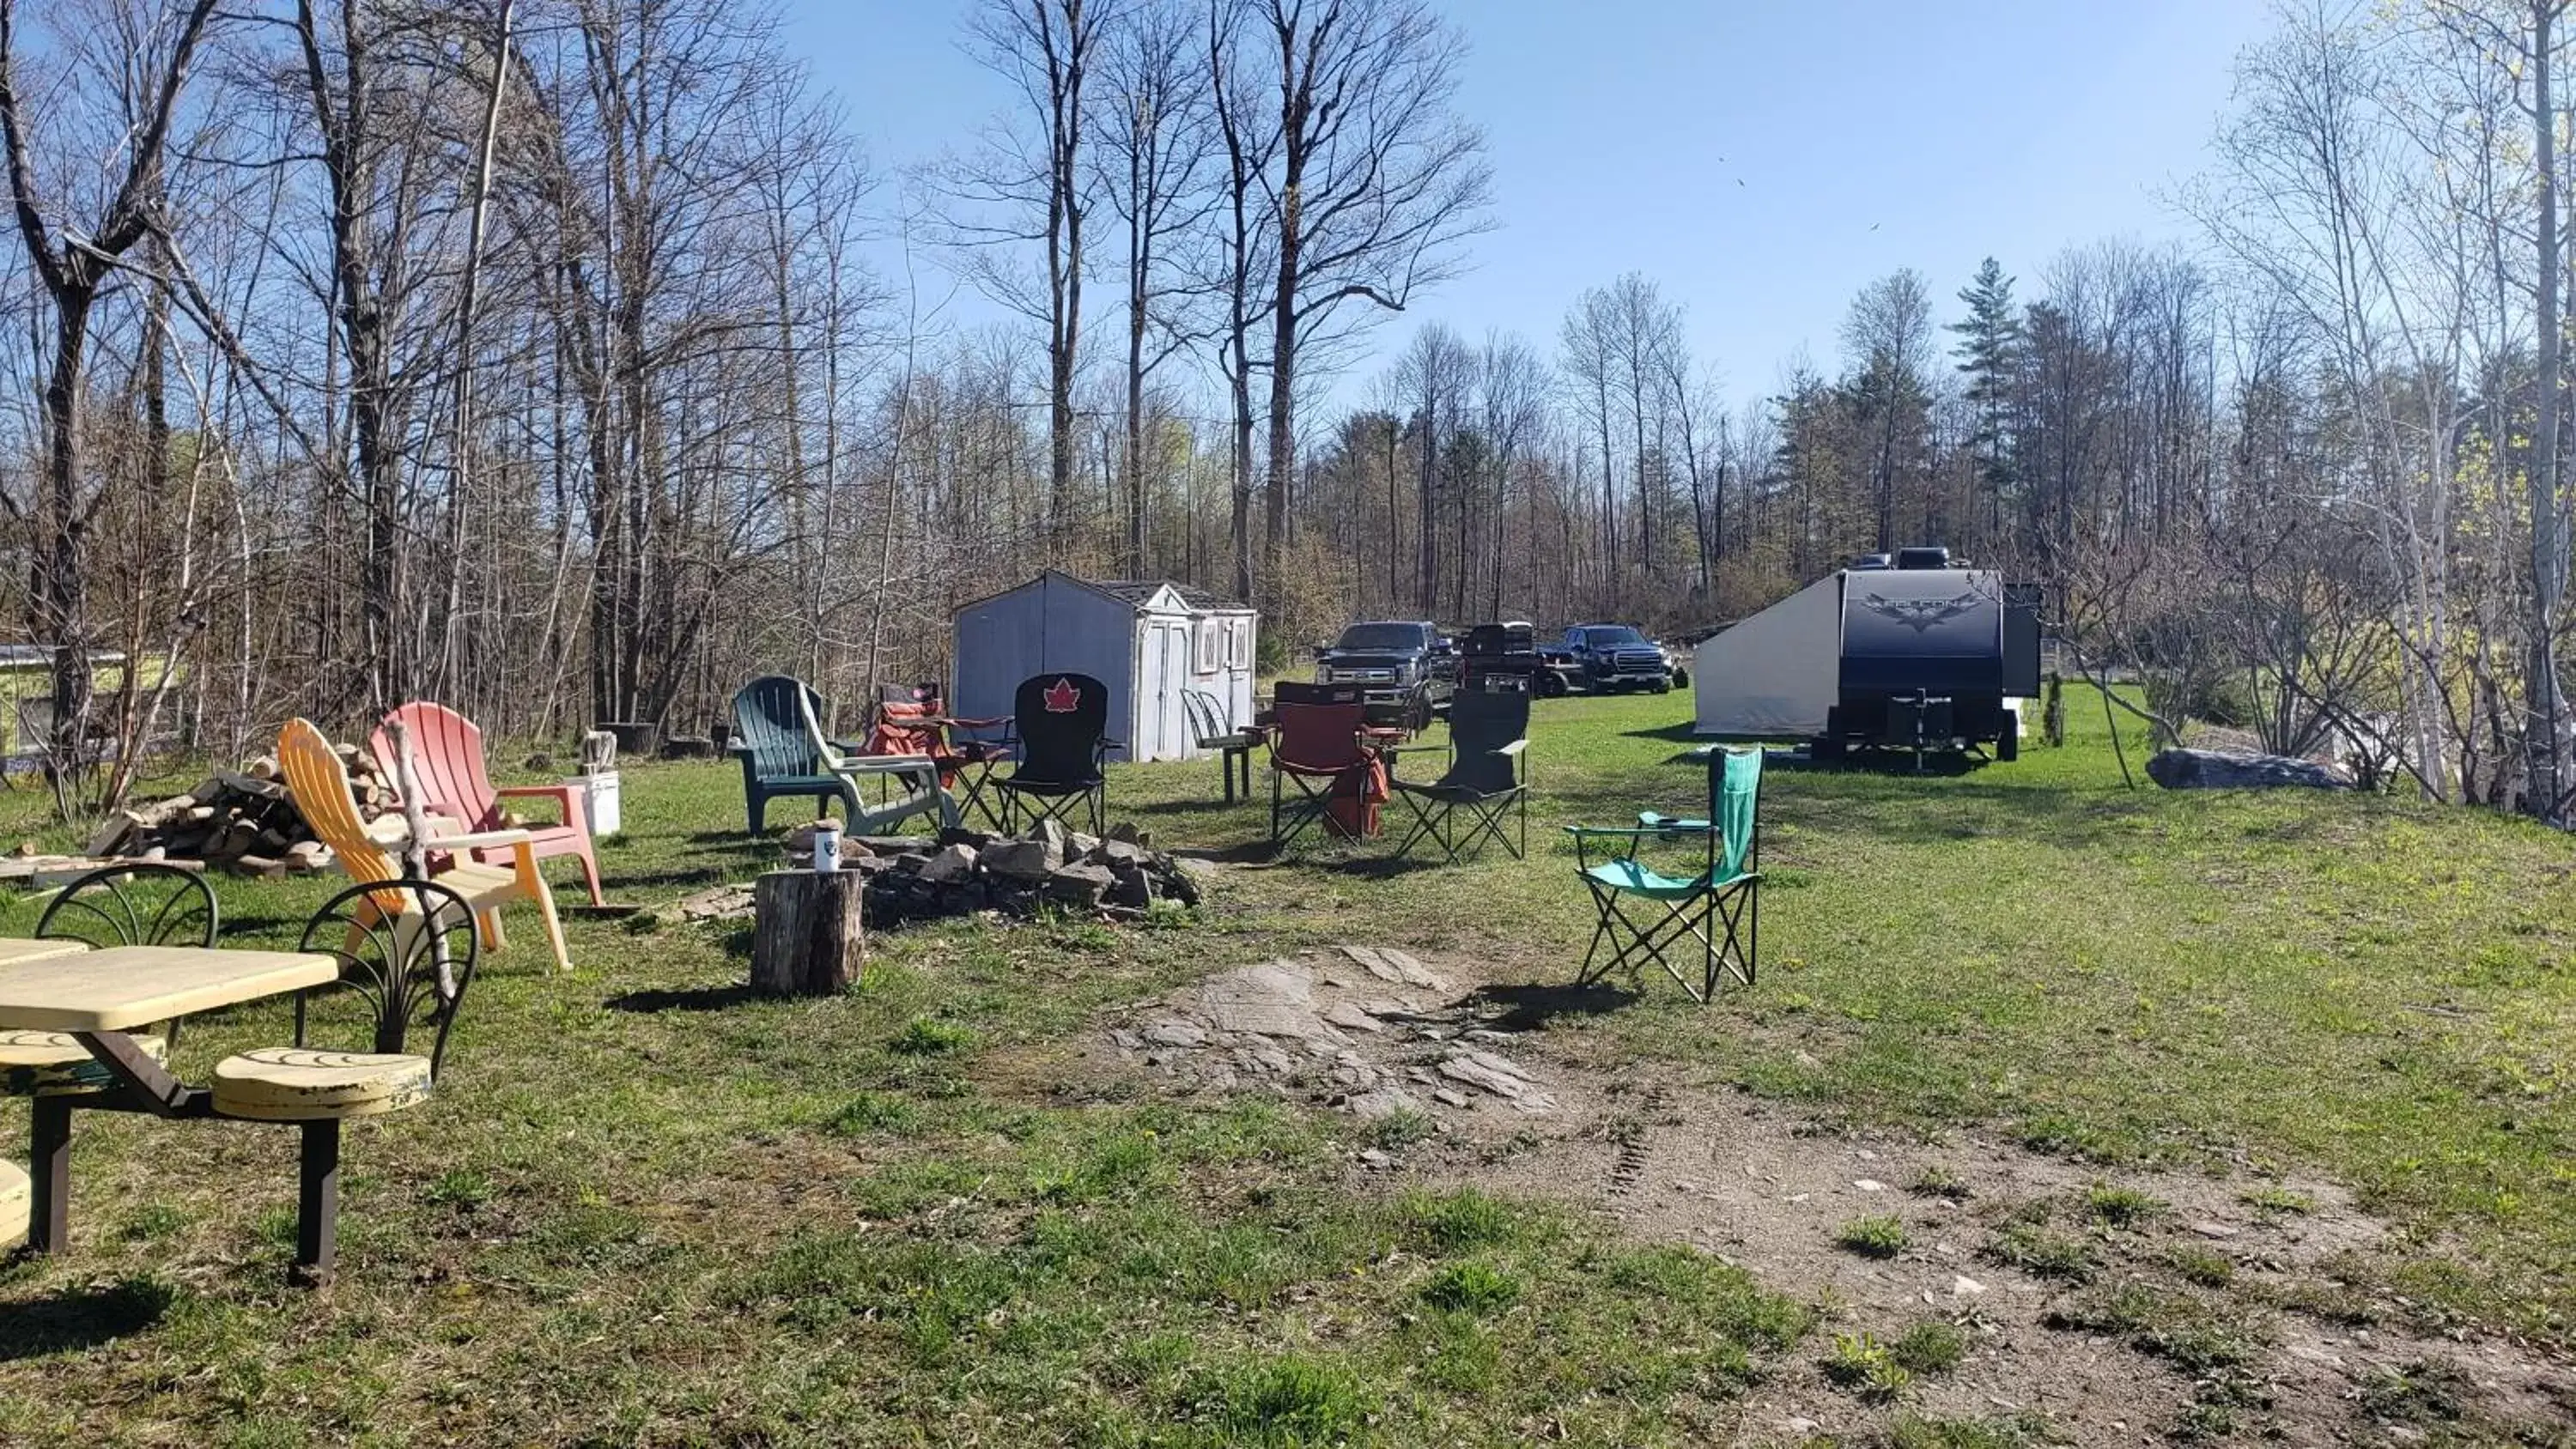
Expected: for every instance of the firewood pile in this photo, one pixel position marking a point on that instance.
(241, 820)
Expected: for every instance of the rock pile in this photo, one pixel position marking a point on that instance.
(960, 872)
(2221, 770)
(243, 820)
(1369, 1033)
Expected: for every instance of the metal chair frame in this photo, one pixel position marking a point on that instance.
(106, 908)
(1722, 917)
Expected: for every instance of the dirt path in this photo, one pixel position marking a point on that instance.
(2092, 1307)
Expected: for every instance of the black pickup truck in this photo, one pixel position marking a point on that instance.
(1609, 658)
(1388, 658)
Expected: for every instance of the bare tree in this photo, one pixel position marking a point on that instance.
(73, 264)
(1157, 149)
(1376, 183)
(1031, 182)
(1250, 142)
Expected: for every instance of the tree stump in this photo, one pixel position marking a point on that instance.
(806, 938)
(637, 739)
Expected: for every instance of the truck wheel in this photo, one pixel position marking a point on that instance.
(1661, 686)
(2008, 746)
(1551, 685)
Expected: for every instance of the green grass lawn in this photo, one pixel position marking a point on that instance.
(645, 1209)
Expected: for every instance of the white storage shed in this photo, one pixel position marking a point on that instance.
(1151, 641)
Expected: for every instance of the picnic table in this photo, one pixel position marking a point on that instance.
(100, 998)
(14, 951)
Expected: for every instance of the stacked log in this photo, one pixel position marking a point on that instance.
(242, 820)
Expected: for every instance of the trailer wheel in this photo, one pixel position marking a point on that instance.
(2008, 746)
(1829, 745)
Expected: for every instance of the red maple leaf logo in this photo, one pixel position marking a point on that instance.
(1062, 697)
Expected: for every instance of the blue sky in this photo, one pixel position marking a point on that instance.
(1762, 161)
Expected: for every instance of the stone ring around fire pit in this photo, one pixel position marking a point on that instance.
(961, 872)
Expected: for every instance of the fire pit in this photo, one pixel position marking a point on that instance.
(1118, 876)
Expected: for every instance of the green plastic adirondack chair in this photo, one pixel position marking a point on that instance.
(780, 757)
(1718, 907)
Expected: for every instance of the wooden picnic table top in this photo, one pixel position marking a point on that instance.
(14, 951)
(124, 987)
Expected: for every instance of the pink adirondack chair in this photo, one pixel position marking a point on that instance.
(447, 757)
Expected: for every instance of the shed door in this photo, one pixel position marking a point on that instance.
(1161, 717)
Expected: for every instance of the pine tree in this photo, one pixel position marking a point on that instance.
(1989, 352)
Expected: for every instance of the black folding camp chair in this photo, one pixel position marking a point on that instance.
(1487, 780)
(1719, 907)
(1063, 724)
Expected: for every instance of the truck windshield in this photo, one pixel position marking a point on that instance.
(1611, 638)
(1381, 636)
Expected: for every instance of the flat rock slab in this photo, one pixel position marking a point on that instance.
(724, 903)
(1389, 964)
(1302, 1028)
(1273, 998)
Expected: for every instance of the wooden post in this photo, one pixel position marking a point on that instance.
(806, 939)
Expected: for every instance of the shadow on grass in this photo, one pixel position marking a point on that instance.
(685, 875)
(85, 1317)
(1901, 764)
(1250, 852)
(1532, 1006)
(258, 926)
(687, 998)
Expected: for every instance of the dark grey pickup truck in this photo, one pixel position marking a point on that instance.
(1387, 658)
(1609, 658)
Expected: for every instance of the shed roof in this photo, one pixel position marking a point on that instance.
(1135, 593)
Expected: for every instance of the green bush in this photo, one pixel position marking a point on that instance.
(1872, 1237)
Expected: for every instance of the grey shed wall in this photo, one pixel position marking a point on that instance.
(1048, 625)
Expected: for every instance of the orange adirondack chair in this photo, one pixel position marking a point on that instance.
(447, 758)
(320, 784)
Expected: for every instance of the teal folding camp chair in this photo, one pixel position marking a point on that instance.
(1719, 908)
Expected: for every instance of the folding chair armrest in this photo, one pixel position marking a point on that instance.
(885, 765)
(1515, 747)
(1638, 832)
(479, 840)
(566, 811)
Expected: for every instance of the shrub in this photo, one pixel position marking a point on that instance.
(1872, 1237)
(1864, 1365)
(1934, 1346)
(928, 1036)
(873, 1112)
(2041, 1253)
(2122, 1206)
(1477, 1288)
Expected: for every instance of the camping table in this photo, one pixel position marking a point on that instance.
(99, 997)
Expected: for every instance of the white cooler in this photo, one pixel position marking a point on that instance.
(598, 800)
